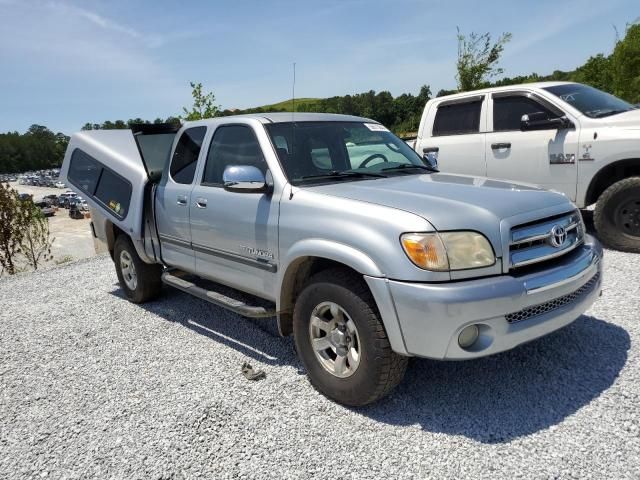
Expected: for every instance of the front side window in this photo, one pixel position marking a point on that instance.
(232, 145)
(185, 157)
(457, 118)
(332, 151)
(592, 102)
(508, 112)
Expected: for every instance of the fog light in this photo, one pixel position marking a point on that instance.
(468, 336)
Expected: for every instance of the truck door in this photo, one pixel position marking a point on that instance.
(457, 136)
(234, 235)
(174, 197)
(543, 157)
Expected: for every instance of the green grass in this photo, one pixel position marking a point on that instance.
(288, 104)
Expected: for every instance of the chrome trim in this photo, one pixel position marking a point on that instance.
(542, 231)
(556, 253)
(260, 263)
(582, 266)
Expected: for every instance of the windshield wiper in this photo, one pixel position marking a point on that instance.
(409, 166)
(344, 174)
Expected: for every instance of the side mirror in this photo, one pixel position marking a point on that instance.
(539, 121)
(244, 179)
(430, 157)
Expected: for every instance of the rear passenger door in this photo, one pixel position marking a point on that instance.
(457, 136)
(174, 197)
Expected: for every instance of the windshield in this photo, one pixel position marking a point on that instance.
(333, 151)
(590, 101)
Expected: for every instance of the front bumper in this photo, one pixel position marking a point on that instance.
(426, 319)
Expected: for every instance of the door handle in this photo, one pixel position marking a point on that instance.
(182, 199)
(430, 149)
(498, 146)
(201, 202)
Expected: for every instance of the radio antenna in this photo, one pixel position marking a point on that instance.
(293, 91)
(293, 126)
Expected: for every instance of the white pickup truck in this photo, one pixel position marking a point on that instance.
(566, 137)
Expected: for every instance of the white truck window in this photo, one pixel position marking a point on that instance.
(457, 118)
(185, 158)
(507, 112)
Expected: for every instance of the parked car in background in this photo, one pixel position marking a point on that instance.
(60, 185)
(46, 209)
(52, 200)
(567, 137)
(333, 224)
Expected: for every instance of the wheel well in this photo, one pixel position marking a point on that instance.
(113, 232)
(609, 175)
(294, 281)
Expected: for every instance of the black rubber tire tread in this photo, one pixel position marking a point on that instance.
(608, 233)
(149, 276)
(386, 368)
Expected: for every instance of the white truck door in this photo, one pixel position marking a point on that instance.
(543, 157)
(234, 235)
(173, 198)
(454, 133)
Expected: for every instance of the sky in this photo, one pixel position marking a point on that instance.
(64, 63)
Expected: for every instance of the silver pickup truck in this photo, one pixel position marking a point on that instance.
(359, 247)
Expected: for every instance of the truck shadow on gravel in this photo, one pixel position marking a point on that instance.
(258, 339)
(490, 400)
(513, 394)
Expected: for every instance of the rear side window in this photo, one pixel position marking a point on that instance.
(84, 171)
(458, 118)
(114, 192)
(185, 157)
(507, 112)
(232, 145)
(100, 183)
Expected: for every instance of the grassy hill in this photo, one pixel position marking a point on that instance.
(287, 105)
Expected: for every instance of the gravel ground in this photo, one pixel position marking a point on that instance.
(92, 386)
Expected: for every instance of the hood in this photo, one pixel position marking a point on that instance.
(450, 202)
(630, 119)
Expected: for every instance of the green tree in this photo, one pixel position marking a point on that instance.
(24, 232)
(36, 241)
(11, 229)
(625, 65)
(478, 58)
(203, 104)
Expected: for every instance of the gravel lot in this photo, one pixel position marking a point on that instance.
(92, 386)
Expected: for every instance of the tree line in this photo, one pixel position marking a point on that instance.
(477, 66)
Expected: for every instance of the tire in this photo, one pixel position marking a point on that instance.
(140, 281)
(617, 215)
(377, 370)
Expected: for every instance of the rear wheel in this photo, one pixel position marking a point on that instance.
(341, 340)
(139, 280)
(617, 215)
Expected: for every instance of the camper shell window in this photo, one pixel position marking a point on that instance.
(100, 183)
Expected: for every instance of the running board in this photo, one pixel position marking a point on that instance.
(187, 283)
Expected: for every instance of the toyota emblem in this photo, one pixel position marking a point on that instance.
(558, 236)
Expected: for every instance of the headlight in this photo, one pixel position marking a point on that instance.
(448, 250)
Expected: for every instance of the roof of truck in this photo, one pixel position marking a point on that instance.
(519, 86)
(280, 117)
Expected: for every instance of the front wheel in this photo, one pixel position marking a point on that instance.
(139, 280)
(341, 340)
(617, 215)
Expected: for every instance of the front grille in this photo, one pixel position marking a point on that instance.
(556, 303)
(535, 242)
